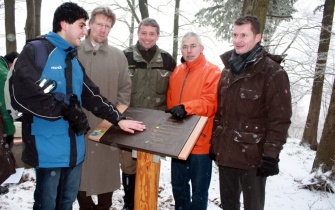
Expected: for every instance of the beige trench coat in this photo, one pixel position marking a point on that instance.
(108, 69)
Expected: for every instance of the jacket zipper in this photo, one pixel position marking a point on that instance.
(182, 88)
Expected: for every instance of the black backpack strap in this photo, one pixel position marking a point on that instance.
(41, 53)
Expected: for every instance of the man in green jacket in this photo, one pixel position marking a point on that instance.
(5, 63)
(149, 68)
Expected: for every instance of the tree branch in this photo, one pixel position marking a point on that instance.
(133, 11)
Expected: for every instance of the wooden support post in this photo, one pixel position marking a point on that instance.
(148, 163)
(147, 182)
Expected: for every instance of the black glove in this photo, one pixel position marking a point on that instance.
(268, 167)
(177, 111)
(75, 116)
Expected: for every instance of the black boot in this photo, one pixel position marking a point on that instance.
(128, 182)
(104, 201)
(85, 202)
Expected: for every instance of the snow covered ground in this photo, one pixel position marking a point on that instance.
(283, 192)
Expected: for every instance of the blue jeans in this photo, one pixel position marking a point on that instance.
(56, 188)
(198, 170)
(235, 181)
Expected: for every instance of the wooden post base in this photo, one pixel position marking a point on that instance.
(147, 182)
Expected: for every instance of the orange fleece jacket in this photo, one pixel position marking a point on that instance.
(195, 84)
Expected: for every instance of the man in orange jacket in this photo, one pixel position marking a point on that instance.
(193, 91)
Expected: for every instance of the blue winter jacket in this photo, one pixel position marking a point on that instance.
(47, 139)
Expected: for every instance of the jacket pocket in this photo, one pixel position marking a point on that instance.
(50, 129)
(249, 146)
(134, 83)
(250, 100)
(162, 81)
(251, 127)
(247, 138)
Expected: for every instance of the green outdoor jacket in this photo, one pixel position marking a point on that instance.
(150, 80)
(8, 120)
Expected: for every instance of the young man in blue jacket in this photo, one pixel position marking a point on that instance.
(53, 122)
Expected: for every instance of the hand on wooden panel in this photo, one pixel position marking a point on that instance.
(131, 125)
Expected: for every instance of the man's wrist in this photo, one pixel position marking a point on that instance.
(119, 119)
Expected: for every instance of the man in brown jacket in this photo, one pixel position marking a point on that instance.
(253, 117)
(108, 67)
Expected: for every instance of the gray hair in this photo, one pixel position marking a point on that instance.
(104, 10)
(191, 34)
(149, 22)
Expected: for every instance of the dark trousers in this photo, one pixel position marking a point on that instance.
(233, 181)
(198, 170)
(9, 140)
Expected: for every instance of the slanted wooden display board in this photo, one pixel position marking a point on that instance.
(164, 136)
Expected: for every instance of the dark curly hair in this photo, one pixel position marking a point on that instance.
(69, 12)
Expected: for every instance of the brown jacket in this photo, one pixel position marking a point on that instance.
(253, 114)
(108, 68)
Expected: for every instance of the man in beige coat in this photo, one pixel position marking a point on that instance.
(107, 67)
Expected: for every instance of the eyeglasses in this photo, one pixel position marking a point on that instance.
(101, 25)
(191, 47)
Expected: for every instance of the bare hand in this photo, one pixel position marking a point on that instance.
(131, 126)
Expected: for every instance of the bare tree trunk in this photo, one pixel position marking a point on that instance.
(256, 8)
(30, 22)
(132, 26)
(143, 4)
(176, 30)
(311, 127)
(10, 26)
(325, 154)
(38, 5)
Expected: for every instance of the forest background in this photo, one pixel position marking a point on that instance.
(295, 35)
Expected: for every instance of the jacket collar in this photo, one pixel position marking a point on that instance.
(149, 54)
(226, 56)
(251, 69)
(200, 61)
(138, 57)
(59, 42)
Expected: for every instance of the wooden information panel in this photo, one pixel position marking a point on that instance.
(165, 135)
